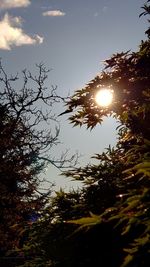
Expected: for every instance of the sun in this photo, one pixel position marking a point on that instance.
(104, 97)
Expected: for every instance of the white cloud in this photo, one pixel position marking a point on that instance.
(13, 35)
(54, 13)
(6, 4)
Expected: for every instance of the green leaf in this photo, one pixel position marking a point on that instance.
(87, 221)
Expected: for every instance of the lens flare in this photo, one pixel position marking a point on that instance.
(104, 97)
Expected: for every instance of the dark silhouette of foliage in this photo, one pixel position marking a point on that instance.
(26, 140)
(107, 223)
(128, 75)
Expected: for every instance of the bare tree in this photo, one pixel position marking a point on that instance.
(26, 139)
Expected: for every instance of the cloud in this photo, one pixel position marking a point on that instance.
(6, 4)
(54, 13)
(13, 35)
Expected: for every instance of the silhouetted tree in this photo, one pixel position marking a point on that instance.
(128, 75)
(107, 223)
(28, 130)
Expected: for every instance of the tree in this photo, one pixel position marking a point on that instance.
(108, 222)
(128, 75)
(26, 141)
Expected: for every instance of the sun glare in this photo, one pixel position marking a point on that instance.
(104, 97)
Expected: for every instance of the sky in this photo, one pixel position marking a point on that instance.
(73, 38)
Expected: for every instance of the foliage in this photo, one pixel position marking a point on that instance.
(26, 141)
(128, 75)
(107, 223)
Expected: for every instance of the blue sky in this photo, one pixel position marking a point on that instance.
(73, 38)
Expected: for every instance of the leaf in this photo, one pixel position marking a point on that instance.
(127, 260)
(87, 221)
